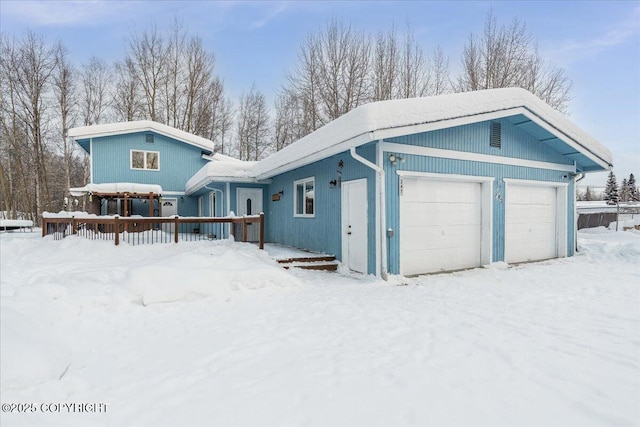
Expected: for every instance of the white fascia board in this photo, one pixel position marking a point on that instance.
(446, 123)
(222, 179)
(317, 155)
(97, 131)
(534, 183)
(475, 157)
(446, 176)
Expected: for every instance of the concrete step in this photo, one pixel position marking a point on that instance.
(319, 262)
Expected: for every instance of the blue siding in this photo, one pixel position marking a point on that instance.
(321, 233)
(474, 138)
(178, 162)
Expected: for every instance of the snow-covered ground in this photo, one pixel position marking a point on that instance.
(215, 333)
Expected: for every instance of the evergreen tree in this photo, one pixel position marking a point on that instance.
(624, 191)
(611, 190)
(634, 193)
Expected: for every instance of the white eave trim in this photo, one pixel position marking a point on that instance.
(321, 154)
(475, 157)
(224, 179)
(142, 128)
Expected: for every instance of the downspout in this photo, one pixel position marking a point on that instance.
(575, 208)
(228, 188)
(381, 261)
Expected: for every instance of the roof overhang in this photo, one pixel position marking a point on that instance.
(595, 163)
(83, 135)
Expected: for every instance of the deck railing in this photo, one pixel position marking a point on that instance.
(139, 230)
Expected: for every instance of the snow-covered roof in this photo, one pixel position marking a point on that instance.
(116, 187)
(221, 169)
(386, 119)
(96, 131)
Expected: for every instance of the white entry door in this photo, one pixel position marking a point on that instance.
(169, 208)
(249, 202)
(354, 225)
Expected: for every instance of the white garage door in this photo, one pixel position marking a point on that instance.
(440, 225)
(530, 223)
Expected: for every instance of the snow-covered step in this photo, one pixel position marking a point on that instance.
(326, 266)
(320, 262)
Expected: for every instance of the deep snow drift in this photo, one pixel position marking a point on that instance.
(215, 333)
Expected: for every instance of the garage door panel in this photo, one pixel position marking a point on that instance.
(530, 223)
(440, 226)
(521, 214)
(436, 260)
(436, 237)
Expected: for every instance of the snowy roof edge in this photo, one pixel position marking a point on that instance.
(374, 118)
(95, 131)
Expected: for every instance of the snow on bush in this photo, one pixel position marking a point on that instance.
(221, 271)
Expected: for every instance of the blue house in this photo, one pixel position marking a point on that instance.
(408, 186)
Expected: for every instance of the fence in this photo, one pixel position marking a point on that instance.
(137, 231)
(590, 216)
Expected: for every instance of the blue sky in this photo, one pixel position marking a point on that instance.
(597, 43)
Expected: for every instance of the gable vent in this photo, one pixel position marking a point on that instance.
(149, 138)
(496, 135)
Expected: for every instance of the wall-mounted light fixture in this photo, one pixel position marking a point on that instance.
(333, 183)
(395, 159)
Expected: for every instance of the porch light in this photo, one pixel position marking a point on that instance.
(395, 159)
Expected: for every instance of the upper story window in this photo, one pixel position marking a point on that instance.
(304, 198)
(145, 160)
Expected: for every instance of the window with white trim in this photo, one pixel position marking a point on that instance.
(304, 198)
(145, 160)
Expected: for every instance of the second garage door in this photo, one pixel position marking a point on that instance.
(440, 225)
(530, 223)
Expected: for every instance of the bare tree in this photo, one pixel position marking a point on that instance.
(126, 101)
(94, 95)
(148, 55)
(332, 76)
(253, 126)
(508, 57)
(31, 63)
(386, 66)
(64, 92)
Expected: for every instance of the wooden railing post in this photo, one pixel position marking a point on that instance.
(75, 225)
(175, 228)
(116, 229)
(261, 241)
(244, 228)
(44, 226)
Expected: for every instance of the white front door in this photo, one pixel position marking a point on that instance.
(354, 225)
(169, 208)
(249, 202)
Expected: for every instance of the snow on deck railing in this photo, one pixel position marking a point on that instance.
(147, 230)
